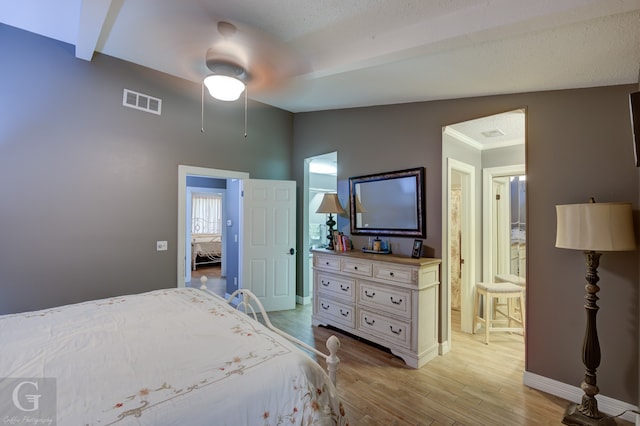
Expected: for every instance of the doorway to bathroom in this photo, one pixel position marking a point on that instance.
(320, 177)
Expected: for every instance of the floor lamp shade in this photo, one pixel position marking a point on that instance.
(595, 227)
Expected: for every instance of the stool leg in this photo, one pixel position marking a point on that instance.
(494, 307)
(487, 317)
(475, 313)
(522, 312)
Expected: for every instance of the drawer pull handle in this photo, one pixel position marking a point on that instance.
(395, 331)
(366, 293)
(325, 307)
(325, 283)
(326, 263)
(344, 313)
(344, 288)
(391, 273)
(395, 302)
(369, 322)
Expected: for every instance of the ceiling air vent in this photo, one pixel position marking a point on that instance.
(142, 102)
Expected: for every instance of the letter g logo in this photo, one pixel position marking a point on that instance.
(33, 399)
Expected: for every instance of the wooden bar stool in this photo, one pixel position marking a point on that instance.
(490, 291)
(510, 278)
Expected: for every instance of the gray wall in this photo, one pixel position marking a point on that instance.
(578, 145)
(506, 156)
(88, 186)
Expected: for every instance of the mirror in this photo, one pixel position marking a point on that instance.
(518, 235)
(388, 204)
(509, 253)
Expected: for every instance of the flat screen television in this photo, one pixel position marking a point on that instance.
(391, 203)
(634, 109)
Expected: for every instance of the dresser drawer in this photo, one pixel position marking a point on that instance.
(397, 332)
(357, 267)
(335, 311)
(386, 298)
(326, 262)
(396, 274)
(335, 284)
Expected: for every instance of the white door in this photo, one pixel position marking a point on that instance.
(502, 219)
(268, 241)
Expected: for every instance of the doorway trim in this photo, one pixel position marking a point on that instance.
(488, 212)
(183, 171)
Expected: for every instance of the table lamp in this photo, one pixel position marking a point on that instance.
(330, 204)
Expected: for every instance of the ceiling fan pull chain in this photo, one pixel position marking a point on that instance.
(202, 107)
(245, 111)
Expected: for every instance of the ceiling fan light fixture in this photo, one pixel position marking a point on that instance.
(223, 87)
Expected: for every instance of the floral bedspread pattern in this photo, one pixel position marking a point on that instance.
(175, 356)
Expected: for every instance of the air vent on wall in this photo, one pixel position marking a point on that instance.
(142, 102)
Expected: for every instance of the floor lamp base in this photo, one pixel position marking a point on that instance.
(574, 417)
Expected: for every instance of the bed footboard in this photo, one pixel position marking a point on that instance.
(246, 303)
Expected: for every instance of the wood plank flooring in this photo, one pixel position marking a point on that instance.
(474, 384)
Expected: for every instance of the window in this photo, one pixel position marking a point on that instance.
(206, 214)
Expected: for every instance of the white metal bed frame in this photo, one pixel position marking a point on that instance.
(242, 299)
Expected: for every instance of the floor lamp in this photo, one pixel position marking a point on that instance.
(592, 228)
(330, 204)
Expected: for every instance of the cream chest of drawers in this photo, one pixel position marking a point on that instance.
(386, 299)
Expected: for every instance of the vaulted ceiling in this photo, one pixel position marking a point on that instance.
(309, 55)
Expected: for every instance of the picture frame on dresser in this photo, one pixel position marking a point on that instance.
(416, 253)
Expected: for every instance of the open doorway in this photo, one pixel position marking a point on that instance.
(475, 148)
(260, 235)
(320, 173)
(228, 232)
(461, 240)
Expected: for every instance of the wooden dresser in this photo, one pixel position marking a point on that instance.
(383, 298)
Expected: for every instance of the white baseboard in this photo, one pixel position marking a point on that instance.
(606, 405)
(303, 300)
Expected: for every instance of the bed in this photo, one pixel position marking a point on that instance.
(168, 357)
(205, 249)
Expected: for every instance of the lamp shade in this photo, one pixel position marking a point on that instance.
(223, 87)
(595, 227)
(330, 204)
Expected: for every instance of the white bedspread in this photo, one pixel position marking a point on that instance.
(167, 357)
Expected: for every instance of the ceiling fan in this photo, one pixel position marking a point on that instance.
(242, 58)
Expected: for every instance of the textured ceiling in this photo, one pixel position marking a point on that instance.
(495, 131)
(348, 53)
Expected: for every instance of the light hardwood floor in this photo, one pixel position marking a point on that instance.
(474, 384)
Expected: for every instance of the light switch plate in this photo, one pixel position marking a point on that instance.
(161, 245)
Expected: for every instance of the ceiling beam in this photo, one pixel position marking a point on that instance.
(91, 21)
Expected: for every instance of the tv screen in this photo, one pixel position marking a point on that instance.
(634, 108)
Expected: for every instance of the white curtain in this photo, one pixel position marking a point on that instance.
(206, 214)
